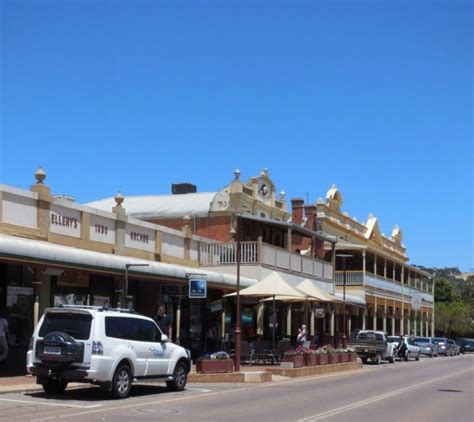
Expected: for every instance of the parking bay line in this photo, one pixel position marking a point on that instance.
(30, 402)
(355, 405)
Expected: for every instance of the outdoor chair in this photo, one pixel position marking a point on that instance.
(261, 349)
(276, 354)
(246, 353)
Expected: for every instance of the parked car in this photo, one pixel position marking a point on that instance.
(455, 347)
(412, 350)
(443, 347)
(427, 346)
(107, 347)
(467, 346)
(373, 345)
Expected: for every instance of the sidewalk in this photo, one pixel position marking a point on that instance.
(247, 374)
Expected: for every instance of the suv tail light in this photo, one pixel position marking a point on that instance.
(97, 348)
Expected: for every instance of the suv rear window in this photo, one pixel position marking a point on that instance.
(75, 324)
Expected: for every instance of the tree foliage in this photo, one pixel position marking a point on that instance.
(453, 318)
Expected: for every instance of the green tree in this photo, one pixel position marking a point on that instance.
(453, 318)
(445, 290)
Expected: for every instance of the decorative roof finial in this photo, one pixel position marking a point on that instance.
(119, 199)
(237, 174)
(264, 172)
(40, 175)
(282, 195)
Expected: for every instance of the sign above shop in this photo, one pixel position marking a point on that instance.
(319, 313)
(73, 279)
(65, 221)
(197, 286)
(170, 290)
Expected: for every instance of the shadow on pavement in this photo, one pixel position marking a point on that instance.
(95, 394)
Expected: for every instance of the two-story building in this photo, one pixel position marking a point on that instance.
(399, 297)
(267, 240)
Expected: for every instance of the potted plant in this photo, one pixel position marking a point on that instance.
(321, 357)
(352, 354)
(333, 356)
(343, 355)
(308, 354)
(214, 363)
(293, 357)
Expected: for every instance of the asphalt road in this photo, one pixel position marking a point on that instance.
(439, 389)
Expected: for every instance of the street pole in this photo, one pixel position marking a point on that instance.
(125, 290)
(237, 322)
(344, 316)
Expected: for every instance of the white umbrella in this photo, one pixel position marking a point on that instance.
(272, 285)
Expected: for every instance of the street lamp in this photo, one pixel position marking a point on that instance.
(344, 317)
(127, 266)
(237, 322)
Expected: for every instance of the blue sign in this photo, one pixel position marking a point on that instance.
(197, 287)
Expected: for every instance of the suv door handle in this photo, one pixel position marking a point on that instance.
(152, 349)
(130, 345)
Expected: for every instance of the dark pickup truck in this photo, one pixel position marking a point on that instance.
(372, 345)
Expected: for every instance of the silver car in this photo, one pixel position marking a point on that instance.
(412, 350)
(444, 348)
(427, 346)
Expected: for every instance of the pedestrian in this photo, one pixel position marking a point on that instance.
(213, 337)
(302, 335)
(3, 339)
(164, 321)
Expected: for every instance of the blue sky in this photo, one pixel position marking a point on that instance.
(374, 96)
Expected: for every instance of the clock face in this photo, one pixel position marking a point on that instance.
(263, 190)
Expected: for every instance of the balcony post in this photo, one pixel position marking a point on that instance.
(393, 321)
(259, 250)
(374, 318)
(364, 318)
(393, 271)
(289, 249)
(375, 265)
(385, 317)
(402, 321)
(363, 267)
(385, 268)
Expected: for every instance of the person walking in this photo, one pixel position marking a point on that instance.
(3, 339)
(164, 321)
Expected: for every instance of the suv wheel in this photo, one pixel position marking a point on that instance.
(53, 386)
(122, 382)
(180, 377)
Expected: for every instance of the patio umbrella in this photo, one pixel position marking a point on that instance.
(272, 285)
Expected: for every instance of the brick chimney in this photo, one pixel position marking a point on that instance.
(310, 212)
(297, 210)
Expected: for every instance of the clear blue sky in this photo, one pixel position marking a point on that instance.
(374, 96)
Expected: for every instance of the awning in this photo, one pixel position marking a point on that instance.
(271, 285)
(41, 252)
(352, 299)
(309, 288)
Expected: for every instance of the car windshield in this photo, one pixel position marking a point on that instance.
(392, 339)
(422, 340)
(469, 342)
(439, 340)
(75, 324)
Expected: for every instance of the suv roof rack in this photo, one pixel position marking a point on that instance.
(98, 308)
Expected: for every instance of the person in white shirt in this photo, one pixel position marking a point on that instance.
(302, 335)
(3, 339)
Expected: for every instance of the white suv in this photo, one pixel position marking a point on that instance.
(107, 347)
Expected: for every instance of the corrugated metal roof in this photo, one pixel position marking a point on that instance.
(163, 206)
(65, 256)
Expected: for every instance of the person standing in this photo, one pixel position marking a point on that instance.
(164, 321)
(302, 335)
(3, 339)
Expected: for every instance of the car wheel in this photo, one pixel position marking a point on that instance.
(417, 356)
(378, 359)
(364, 361)
(122, 382)
(180, 376)
(52, 386)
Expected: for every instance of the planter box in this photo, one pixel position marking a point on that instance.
(333, 358)
(210, 366)
(310, 359)
(322, 359)
(344, 357)
(352, 357)
(297, 361)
